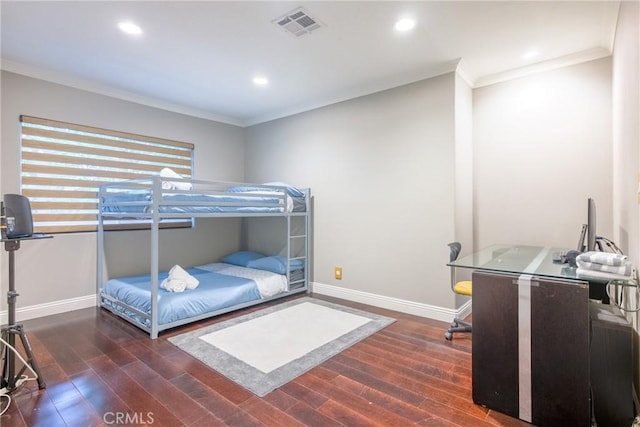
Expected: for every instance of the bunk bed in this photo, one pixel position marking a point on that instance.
(239, 280)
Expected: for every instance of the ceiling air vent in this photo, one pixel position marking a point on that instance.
(298, 22)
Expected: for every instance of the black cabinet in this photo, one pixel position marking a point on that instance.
(611, 366)
(530, 352)
(543, 352)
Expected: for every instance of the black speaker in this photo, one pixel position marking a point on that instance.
(18, 219)
(612, 362)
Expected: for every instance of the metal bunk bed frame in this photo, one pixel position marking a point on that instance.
(154, 214)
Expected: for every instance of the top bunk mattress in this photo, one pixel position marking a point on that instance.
(131, 199)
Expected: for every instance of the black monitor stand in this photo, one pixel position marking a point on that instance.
(9, 332)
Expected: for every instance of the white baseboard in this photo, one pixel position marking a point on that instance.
(50, 308)
(396, 304)
(389, 303)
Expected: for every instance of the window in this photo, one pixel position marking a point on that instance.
(63, 164)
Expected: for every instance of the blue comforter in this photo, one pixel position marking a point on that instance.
(215, 291)
(139, 202)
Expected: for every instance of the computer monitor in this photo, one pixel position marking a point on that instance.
(583, 235)
(591, 225)
(587, 240)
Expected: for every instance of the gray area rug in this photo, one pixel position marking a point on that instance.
(261, 362)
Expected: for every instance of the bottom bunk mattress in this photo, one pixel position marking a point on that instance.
(220, 286)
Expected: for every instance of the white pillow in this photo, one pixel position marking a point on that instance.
(169, 173)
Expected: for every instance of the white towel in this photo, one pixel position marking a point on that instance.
(173, 285)
(171, 185)
(626, 269)
(179, 280)
(599, 275)
(605, 258)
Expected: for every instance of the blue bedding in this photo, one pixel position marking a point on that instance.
(139, 202)
(215, 291)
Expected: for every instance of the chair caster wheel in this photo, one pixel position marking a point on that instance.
(448, 336)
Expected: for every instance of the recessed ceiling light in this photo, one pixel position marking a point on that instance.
(405, 24)
(260, 81)
(530, 54)
(130, 28)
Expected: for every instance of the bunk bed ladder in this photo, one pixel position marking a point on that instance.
(304, 255)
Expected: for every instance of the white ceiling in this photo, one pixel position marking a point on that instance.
(199, 58)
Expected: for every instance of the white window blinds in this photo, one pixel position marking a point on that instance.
(63, 164)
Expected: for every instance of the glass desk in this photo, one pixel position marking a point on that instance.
(531, 334)
(534, 260)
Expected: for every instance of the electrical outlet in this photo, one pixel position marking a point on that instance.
(338, 273)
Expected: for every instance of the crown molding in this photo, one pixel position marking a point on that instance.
(465, 73)
(539, 67)
(458, 65)
(93, 87)
(358, 92)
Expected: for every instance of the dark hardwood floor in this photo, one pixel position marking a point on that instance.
(100, 371)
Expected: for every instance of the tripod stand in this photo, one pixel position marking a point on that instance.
(12, 329)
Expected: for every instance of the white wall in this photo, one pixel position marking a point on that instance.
(381, 168)
(542, 146)
(464, 232)
(626, 130)
(464, 165)
(64, 267)
(626, 144)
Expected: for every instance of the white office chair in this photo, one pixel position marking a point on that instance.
(462, 287)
